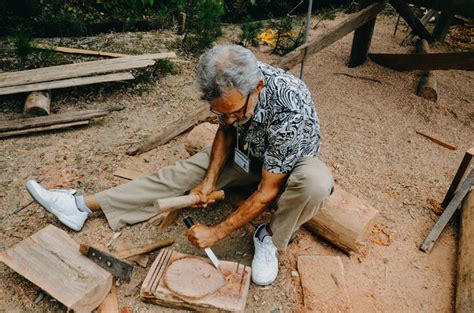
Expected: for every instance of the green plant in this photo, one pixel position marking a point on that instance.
(328, 13)
(22, 41)
(166, 66)
(250, 30)
(286, 38)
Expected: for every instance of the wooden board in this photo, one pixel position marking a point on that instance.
(230, 298)
(458, 176)
(63, 83)
(110, 304)
(431, 61)
(334, 34)
(80, 69)
(51, 260)
(40, 121)
(79, 51)
(323, 283)
(12, 133)
(128, 173)
(416, 25)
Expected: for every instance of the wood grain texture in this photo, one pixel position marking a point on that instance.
(110, 303)
(232, 297)
(51, 260)
(323, 283)
(465, 275)
(63, 83)
(42, 129)
(344, 220)
(38, 103)
(126, 253)
(334, 34)
(80, 69)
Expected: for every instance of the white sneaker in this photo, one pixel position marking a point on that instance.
(59, 202)
(265, 260)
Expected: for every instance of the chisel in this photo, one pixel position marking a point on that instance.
(189, 223)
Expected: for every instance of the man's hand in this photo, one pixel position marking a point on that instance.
(202, 236)
(203, 189)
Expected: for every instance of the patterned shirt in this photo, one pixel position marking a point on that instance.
(284, 126)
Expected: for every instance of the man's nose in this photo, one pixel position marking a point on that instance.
(229, 120)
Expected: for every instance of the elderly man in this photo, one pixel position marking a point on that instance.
(268, 134)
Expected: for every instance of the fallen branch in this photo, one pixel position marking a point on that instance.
(439, 142)
(360, 77)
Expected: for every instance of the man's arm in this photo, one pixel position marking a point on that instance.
(219, 155)
(203, 236)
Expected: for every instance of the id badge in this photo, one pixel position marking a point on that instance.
(242, 160)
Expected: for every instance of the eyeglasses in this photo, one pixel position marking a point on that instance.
(235, 113)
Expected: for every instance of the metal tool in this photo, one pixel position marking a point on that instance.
(189, 223)
(119, 268)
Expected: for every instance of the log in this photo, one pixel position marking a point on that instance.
(58, 72)
(344, 220)
(465, 275)
(126, 253)
(418, 28)
(171, 130)
(361, 41)
(353, 22)
(70, 82)
(79, 51)
(427, 87)
(38, 103)
(51, 260)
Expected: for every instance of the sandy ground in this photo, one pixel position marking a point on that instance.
(369, 141)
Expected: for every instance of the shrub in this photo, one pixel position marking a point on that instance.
(250, 31)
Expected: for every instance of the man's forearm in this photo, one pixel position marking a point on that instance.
(219, 153)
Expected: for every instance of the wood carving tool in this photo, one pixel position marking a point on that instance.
(175, 203)
(119, 268)
(189, 223)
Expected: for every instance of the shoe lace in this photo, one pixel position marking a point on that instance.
(266, 252)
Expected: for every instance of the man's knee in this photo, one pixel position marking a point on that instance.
(315, 181)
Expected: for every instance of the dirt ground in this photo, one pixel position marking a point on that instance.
(368, 115)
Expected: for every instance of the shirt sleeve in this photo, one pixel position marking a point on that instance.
(284, 141)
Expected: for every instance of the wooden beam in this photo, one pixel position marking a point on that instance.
(465, 275)
(42, 129)
(442, 27)
(431, 61)
(80, 69)
(418, 28)
(458, 176)
(63, 83)
(353, 22)
(361, 41)
(424, 20)
(79, 51)
(38, 103)
(25, 123)
(172, 130)
(51, 260)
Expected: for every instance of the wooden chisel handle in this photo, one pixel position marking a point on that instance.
(175, 203)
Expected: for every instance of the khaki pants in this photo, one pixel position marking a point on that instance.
(307, 186)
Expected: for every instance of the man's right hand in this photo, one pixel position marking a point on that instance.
(203, 189)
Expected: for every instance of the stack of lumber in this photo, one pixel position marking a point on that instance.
(77, 74)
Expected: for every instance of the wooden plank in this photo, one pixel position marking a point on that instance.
(424, 20)
(128, 173)
(448, 213)
(63, 83)
(344, 220)
(42, 129)
(353, 22)
(171, 130)
(110, 303)
(39, 121)
(418, 28)
(79, 51)
(232, 297)
(361, 41)
(80, 69)
(126, 253)
(323, 283)
(431, 61)
(437, 141)
(465, 267)
(458, 177)
(51, 260)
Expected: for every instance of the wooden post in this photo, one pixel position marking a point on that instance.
(418, 28)
(427, 87)
(181, 23)
(38, 103)
(361, 41)
(465, 277)
(441, 29)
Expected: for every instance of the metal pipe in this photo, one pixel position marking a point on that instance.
(308, 21)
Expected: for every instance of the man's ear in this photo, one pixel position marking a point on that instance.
(260, 85)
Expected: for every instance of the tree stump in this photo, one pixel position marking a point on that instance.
(38, 103)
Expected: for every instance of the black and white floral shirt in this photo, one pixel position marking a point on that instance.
(284, 126)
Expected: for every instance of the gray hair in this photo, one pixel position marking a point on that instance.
(225, 67)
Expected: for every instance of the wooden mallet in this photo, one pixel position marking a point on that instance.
(175, 203)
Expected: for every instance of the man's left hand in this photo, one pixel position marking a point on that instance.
(202, 236)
